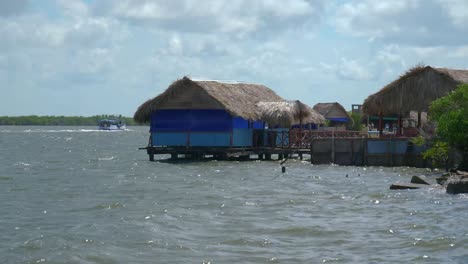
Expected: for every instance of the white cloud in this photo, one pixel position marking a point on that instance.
(460, 52)
(73, 8)
(372, 18)
(414, 22)
(427, 52)
(175, 45)
(30, 31)
(457, 10)
(389, 54)
(130, 50)
(353, 70)
(349, 70)
(236, 17)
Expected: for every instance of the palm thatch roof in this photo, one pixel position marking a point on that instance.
(238, 99)
(415, 90)
(288, 113)
(332, 111)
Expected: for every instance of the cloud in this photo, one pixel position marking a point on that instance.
(460, 52)
(129, 50)
(389, 54)
(12, 7)
(236, 17)
(413, 22)
(30, 32)
(37, 31)
(349, 70)
(457, 10)
(73, 8)
(94, 32)
(353, 70)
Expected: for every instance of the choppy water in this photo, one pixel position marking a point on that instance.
(76, 195)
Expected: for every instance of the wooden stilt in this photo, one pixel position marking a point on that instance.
(419, 118)
(400, 129)
(150, 153)
(312, 151)
(380, 124)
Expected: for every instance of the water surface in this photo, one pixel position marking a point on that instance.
(78, 195)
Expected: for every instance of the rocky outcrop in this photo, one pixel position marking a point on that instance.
(421, 179)
(417, 181)
(454, 182)
(457, 183)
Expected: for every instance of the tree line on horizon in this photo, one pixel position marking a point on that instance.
(34, 120)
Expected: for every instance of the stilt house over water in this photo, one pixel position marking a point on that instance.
(205, 113)
(213, 115)
(334, 112)
(413, 91)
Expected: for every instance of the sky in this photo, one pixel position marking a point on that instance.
(89, 57)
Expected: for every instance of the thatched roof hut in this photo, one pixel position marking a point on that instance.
(238, 99)
(333, 112)
(288, 113)
(415, 90)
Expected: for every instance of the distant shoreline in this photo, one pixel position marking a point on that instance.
(34, 120)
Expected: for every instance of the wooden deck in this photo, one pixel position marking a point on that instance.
(322, 147)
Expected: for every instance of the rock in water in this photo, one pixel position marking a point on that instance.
(407, 186)
(456, 186)
(420, 180)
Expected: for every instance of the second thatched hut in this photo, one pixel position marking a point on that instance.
(288, 114)
(414, 91)
(335, 113)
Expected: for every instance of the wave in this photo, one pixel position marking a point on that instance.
(61, 131)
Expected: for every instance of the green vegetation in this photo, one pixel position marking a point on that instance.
(451, 115)
(418, 141)
(439, 153)
(34, 120)
(356, 124)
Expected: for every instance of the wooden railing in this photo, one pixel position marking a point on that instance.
(297, 138)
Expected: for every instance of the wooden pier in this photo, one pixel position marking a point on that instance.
(321, 147)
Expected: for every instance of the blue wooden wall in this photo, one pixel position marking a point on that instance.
(382, 146)
(201, 128)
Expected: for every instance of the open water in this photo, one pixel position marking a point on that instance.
(78, 195)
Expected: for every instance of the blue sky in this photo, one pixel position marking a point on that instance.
(68, 57)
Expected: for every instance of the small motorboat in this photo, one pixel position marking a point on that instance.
(111, 124)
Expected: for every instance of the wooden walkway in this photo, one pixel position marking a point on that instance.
(266, 143)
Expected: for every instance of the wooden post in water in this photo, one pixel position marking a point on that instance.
(392, 150)
(333, 147)
(419, 118)
(312, 150)
(380, 124)
(151, 153)
(364, 152)
(150, 148)
(400, 122)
